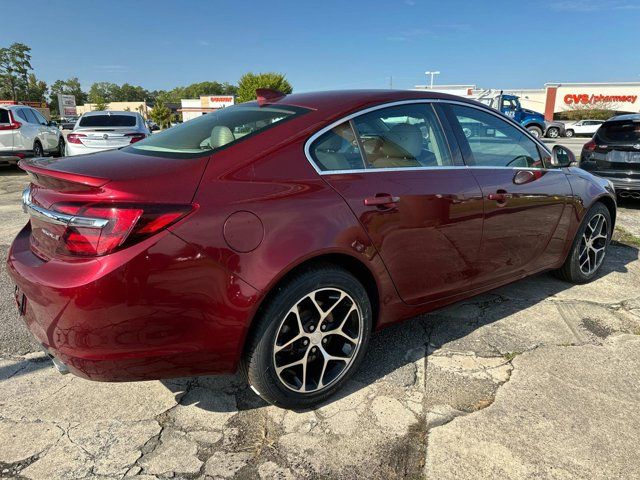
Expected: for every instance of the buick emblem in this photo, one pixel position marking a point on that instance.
(637, 146)
(105, 136)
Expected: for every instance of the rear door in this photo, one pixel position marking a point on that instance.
(27, 134)
(524, 201)
(421, 208)
(6, 130)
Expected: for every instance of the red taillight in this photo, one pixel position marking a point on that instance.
(590, 146)
(127, 224)
(135, 137)
(75, 138)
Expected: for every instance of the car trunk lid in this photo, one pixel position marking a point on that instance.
(128, 191)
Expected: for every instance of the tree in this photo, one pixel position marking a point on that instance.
(100, 104)
(15, 64)
(161, 114)
(36, 89)
(249, 82)
(105, 91)
(70, 86)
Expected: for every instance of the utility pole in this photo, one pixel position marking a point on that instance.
(432, 74)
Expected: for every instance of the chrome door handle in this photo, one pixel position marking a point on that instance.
(381, 200)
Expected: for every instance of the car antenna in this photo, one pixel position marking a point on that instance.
(267, 95)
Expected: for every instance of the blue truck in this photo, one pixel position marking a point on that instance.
(534, 122)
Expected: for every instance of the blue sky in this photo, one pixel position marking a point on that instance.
(329, 44)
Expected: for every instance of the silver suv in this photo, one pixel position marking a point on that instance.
(24, 132)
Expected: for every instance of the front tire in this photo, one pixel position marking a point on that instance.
(310, 338)
(589, 246)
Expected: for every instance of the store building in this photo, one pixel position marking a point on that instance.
(193, 108)
(140, 107)
(557, 98)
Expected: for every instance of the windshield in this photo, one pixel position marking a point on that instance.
(107, 120)
(215, 130)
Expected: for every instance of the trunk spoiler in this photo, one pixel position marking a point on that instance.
(46, 177)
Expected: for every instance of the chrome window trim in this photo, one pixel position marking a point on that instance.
(58, 218)
(323, 130)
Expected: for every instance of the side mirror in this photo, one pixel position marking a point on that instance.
(562, 157)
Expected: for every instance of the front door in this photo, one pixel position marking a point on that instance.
(421, 208)
(525, 204)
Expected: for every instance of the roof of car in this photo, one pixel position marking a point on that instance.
(344, 100)
(109, 112)
(634, 117)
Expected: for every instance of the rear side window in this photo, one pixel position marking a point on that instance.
(28, 114)
(494, 142)
(108, 121)
(4, 116)
(405, 136)
(216, 130)
(337, 149)
(620, 132)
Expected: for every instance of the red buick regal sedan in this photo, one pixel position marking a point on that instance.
(275, 236)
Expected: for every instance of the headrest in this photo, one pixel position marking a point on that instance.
(220, 135)
(404, 140)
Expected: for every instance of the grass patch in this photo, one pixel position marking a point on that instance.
(511, 355)
(621, 235)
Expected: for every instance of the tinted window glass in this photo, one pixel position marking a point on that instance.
(337, 149)
(4, 116)
(41, 120)
(494, 142)
(216, 130)
(108, 121)
(620, 132)
(19, 115)
(405, 136)
(28, 114)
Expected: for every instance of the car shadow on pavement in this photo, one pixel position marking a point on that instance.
(399, 346)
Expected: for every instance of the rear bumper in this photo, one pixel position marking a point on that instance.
(11, 157)
(158, 309)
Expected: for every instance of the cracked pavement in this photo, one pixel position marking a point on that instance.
(539, 379)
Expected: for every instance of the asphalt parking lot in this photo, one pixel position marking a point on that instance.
(538, 379)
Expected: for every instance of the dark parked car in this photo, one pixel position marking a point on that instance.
(614, 153)
(68, 123)
(277, 235)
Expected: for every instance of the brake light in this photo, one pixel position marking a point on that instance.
(75, 138)
(590, 146)
(126, 225)
(135, 137)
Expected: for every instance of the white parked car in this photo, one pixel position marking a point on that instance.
(583, 127)
(106, 130)
(24, 132)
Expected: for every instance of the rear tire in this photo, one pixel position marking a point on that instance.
(535, 131)
(37, 149)
(320, 321)
(569, 133)
(589, 247)
(553, 132)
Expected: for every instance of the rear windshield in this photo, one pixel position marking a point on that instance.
(108, 121)
(4, 116)
(215, 130)
(620, 132)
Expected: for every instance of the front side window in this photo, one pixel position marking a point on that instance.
(493, 142)
(41, 120)
(404, 136)
(216, 130)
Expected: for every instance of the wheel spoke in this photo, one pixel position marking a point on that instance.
(307, 360)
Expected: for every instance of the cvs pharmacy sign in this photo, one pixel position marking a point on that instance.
(586, 99)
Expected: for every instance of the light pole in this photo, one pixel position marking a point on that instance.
(432, 74)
